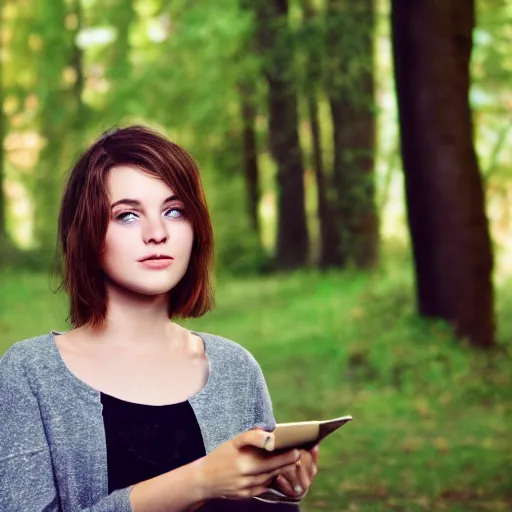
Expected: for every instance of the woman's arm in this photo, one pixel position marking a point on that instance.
(237, 469)
(155, 494)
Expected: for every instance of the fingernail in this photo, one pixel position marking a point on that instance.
(269, 443)
(298, 489)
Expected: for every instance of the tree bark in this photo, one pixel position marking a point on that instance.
(292, 236)
(3, 202)
(329, 239)
(327, 224)
(445, 198)
(250, 155)
(350, 86)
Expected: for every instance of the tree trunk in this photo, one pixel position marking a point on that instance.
(350, 86)
(327, 223)
(276, 48)
(55, 98)
(3, 202)
(329, 239)
(77, 57)
(250, 155)
(122, 15)
(445, 198)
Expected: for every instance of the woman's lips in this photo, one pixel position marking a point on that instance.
(157, 263)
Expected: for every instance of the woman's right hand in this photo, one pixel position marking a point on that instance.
(243, 466)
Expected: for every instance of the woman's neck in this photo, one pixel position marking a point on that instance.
(138, 320)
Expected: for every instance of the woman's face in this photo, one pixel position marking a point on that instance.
(149, 237)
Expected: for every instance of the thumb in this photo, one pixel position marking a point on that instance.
(256, 437)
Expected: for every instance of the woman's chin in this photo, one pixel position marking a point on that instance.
(142, 289)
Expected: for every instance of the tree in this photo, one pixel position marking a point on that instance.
(250, 154)
(120, 15)
(311, 37)
(350, 86)
(3, 202)
(80, 111)
(55, 97)
(432, 44)
(7, 248)
(275, 46)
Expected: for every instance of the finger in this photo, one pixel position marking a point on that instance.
(308, 462)
(284, 486)
(291, 475)
(266, 478)
(280, 461)
(315, 453)
(303, 473)
(268, 463)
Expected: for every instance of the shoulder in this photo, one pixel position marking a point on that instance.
(24, 354)
(228, 351)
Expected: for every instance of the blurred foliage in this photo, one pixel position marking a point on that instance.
(179, 66)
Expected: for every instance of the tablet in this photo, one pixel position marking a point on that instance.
(305, 434)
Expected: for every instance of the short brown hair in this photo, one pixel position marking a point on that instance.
(84, 217)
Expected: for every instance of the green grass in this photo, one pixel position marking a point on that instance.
(432, 418)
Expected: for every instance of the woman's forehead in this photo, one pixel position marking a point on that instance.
(132, 183)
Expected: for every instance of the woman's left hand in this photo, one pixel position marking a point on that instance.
(296, 482)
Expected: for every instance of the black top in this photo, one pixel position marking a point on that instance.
(144, 441)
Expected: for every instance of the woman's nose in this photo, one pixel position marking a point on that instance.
(155, 231)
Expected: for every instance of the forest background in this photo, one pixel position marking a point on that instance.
(357, 162)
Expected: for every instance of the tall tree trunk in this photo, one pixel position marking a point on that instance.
(121, 15)
(350, 85)
(329, 239)
(250, 155)
(55, 98)
(4, 239)
(312, 38)
(3, 202)
(275, 45)
(77, 56)
(8, 252)
(445, 199)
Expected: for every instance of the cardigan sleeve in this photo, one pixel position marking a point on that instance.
(27, 480)
(263, 415)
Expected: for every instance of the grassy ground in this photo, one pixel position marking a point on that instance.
(432, 419)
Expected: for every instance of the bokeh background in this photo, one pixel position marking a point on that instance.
(356, 158)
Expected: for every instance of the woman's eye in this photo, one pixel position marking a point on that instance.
(126, 217)
(174, 213)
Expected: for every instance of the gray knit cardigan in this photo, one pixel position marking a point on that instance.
(52, 441)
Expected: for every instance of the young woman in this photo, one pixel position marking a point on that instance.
(128, 411)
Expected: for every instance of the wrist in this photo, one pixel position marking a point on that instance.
(201, 483)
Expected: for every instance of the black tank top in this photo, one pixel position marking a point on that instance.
(144, 441)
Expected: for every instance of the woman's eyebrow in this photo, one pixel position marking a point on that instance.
(136, 203)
